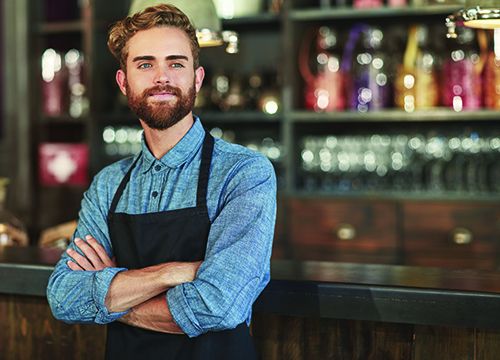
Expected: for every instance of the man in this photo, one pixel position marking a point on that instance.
(172, 246)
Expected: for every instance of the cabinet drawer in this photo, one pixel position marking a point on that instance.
(451, 235)
(351, 231)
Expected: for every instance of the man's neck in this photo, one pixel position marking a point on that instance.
(161, 142)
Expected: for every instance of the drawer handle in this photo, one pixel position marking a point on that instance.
(462, 236)
(346, 232)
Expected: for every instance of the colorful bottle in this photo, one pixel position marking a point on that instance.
(492, 75)
(461, 73)
(321, 71)
(368, 85)
(416, 84)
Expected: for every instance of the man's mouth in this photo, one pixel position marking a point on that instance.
(162, 95)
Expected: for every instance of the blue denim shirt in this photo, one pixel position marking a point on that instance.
(241, 204)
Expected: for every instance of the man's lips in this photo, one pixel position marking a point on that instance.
(162, 95)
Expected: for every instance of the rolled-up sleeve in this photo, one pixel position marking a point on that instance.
(79, 296)
(237, 262)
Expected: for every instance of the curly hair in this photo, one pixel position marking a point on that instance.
(154, 16)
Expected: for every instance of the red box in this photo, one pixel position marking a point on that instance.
(63, 164)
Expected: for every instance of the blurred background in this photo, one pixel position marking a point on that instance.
(383, 131)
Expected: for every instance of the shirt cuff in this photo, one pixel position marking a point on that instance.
(102, 281)
(181, 312)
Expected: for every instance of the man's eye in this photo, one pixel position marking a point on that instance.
(177, 65)
(144, 66)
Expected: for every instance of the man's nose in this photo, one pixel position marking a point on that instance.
(162, 75)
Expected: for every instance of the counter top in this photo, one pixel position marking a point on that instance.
(403, 294)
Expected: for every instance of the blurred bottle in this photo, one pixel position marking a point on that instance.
(416, 85)
(12, 230)
(54, 83)
(367, 85)
(462, 69)
(78, 101)
(321, 71)
(492, 74)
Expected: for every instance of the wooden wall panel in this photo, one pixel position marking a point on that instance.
(28, 331)
(444, 343)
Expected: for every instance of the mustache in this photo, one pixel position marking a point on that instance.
(162, 89)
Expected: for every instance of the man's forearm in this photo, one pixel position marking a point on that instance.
(134, 287)
(154, 315)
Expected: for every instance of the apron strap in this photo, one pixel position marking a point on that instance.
(122, 185)
(206, 159)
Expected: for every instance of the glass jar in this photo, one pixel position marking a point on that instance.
(12, 230)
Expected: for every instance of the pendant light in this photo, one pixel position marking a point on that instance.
(478, 14)
(203, 16)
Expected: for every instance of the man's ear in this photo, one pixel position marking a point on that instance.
(199, 75)
(121, 80)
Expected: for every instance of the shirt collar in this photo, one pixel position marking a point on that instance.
(180, 153)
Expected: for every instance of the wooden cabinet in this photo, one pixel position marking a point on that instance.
(343, 230)
(422, 233)
(451, 235)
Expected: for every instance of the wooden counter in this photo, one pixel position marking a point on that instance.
(310, 310)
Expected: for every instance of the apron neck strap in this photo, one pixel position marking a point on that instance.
(122, 185)
(206, 159)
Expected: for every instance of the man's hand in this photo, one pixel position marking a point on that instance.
(94, 256)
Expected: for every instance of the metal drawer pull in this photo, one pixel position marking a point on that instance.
(462, 236)
(346, 232)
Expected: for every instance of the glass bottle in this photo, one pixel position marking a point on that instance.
(461, 73)
(368, 85)
(320, 69)
(492, 74)
(416, 84)
(12, 230)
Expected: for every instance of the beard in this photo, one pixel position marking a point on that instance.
(161, 115)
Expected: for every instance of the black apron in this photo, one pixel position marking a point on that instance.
(178, 235)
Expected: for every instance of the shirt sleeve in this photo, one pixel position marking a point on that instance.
(237, 262)
(78, 296)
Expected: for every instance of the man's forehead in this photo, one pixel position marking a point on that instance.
(160, 42)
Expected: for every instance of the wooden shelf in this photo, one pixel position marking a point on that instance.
(237, 116)
(351, 13)
(63, 120)
(61, 27)
(261, 19)
(395, 115)
(395, 195)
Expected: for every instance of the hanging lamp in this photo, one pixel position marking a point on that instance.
(203, 16)
(478, 14)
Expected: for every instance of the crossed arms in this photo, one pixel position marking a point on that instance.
(142, 291)
(233, 273)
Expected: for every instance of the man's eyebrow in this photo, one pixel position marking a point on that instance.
(144, 57)
(177, 57)
(150, 57)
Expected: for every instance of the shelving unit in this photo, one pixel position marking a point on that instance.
(271, 41)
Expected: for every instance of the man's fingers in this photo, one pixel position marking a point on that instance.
(101, 252)
(73, 266)
(90, 254)
(80, 260)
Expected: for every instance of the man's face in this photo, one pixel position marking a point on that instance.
(160, 83)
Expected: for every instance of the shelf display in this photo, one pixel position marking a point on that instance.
(286, 94)
(430, 163)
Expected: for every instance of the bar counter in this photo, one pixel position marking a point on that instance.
(309, 310)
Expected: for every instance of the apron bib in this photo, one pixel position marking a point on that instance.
(141, 240)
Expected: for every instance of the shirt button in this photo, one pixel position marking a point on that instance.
(157, 167)
(155, 194)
